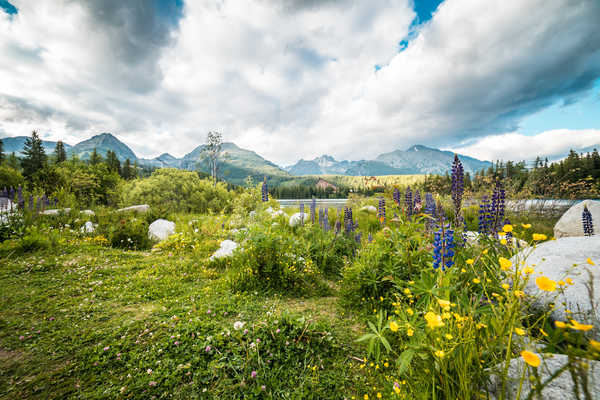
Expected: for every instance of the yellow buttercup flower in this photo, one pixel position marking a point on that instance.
(507, 228)
(505, 286)
(444, 304)
(580, 327)
(505, 263)
(519, 331)
(531, 358)
(528, 270)
(394, 326)
(503, 242)
(569, 281)
(485, 251)
(589, 261)
(449, 336)
(560, 324)
(545, 284)
(410, 332)
(409, 311)
(476, 280)
(433, 320)
(501, 234)
(595, 345)
(526, 226)
(539, 236)
(470, 261)
(480, 325)
(440, 354)
(519, 293)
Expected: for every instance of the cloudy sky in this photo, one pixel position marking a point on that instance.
(294, 79)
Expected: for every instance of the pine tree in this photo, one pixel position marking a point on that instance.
(13, 161)
(95, 158)
(34, 155)
(113, 162)
(127, 173)
(59, 152)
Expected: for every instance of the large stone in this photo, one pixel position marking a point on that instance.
(560, 388)
(297, 219)
(88, 212)
(88, 227)
(561, 259)
(6, 205)
(369, 209)
(56, 211)
(139, 208)
(226, 249)
(570, 224)
(161, 229)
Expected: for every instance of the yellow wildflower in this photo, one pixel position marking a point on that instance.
(505, 263)
(449, 336)
(519, 331)
(531, 358)
(560, 324)
(519, 293)
(589, 261)
(543, 332)
(409, 311)
(470, 261)
(410, 332)
(485, 251)
(379, 394)
(501, 234)
(561, 283)
(539, 236)
(444, 304)
(526, 226)
(433, 320)
(407, 291)
(481, 325)
(545, 284)
(569, 281)
(394, 326)
(476, 280)
(503, 242)
(507, 228)
(580, 327)
(528, 270)
(595, 345)
(440, 354)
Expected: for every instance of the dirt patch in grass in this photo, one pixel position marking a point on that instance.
(9, 356)
(140, 311)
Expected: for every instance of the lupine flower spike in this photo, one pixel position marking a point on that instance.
(588, 223)
(396, 196)
(313, 207)
(458, 188)
(265, 191)
(301, 213)
(408, 202)
(443, 250)
(417, 202)
(381, 211)
(497, 211)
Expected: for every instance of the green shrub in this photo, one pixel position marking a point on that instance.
(177, 190)
(129, 233)
(329, 252)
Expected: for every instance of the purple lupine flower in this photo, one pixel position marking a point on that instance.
(381, 210)
(338, 227)
(11, 193)
(301, 213)
(313, 207)
(358, 238)
(321, 217)
(497, 212)
(458, 188)
(30, 203)
(20, 199)
(265, 190)
(588, 223)
(429, 210)
(443, 250)
(370, 237)
(326, 225)
(484, 212)
(396, 196)
(417, 205)
(408, 202)
(55, 202)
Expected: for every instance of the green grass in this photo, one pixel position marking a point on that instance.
(61, 309)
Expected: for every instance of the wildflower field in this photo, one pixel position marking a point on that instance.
(388, 297)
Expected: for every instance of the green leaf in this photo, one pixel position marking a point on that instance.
(365, 337)
(386, 344)
(404, 360)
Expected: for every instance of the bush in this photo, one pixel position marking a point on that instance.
(177, 190)
(271, 260)
(126, 232)
(10, 177)
(329, 252)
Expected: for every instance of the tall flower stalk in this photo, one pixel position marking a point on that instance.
(408, 202)
(484, 216)
(458, 188)
(313, 207)
(265, 191)
(396, 196)
(497, 208)
(381, 211)
(588, 223)
(443, 247)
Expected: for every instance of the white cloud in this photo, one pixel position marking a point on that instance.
(292, 80)
(515, 146)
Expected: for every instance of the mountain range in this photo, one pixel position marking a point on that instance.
(236, 164)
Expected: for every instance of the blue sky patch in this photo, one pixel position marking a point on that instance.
(171, 10)
(8, 8)
(425, 9)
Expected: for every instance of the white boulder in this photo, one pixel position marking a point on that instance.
(88, 212)
(88, 227)
(297, 219)
(570, 223)
(561, 259)
(139, 208)
(560, 388)
(6, 205)
(161, 229)
(226, 249)
(369, 209)
(56, 211)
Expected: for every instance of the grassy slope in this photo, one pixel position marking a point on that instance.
(69, 305)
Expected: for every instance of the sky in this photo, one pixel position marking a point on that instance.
(295, 79)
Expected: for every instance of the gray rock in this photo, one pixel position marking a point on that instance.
(139, 208)
(161, 229)
(297, 219)
(570, 223)
(56, 211)
(88, 227)
(7, 205)
(561, 259)
(88, 212)
(369, 209)
(560, 388)
(226, 249)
